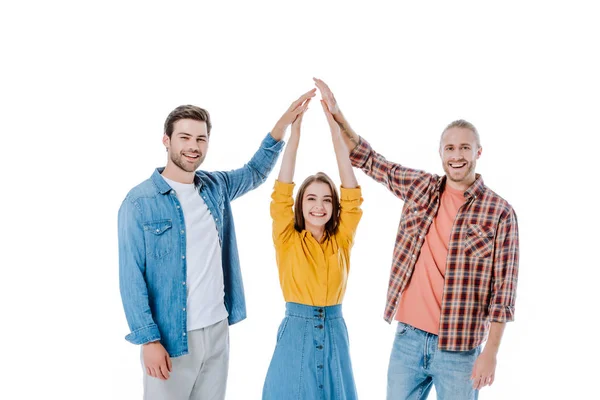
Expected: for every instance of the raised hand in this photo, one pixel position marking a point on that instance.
(297, 108)
(327, 96)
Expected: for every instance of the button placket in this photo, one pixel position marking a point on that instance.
(319, 341)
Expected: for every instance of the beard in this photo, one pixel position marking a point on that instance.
(185, 165)
(459, 176)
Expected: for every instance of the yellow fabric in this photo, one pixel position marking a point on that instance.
(310, 272)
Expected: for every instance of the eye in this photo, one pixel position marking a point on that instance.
(328, 200)
(466, 147)
(310, 198)
(202, 139)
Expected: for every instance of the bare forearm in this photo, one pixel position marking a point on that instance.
(350, 137)
(495, 337)
(288, 164)
(342, 155)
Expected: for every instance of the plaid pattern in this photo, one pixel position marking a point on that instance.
(483, 252)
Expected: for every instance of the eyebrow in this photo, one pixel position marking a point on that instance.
(462, 144)
(312, 194)
(187, 134)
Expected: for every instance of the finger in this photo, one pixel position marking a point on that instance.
(300, 110)
(321, 85)
(169, 364)
(148, 371)
(159, 372)
(302, 99)
(164, 370)
(481, 383)
(153, 373)
(492, 379)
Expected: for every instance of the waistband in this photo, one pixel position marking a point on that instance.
(313, 312)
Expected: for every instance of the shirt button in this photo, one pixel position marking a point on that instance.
(420, 236)
(183, 283)
(178, 207)
(158, 230)
(182, 231)
(414, 256)
(183, 257)
(183, 333)
(183, 308)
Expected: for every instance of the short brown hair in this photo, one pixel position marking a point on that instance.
(332, 225)
(461, 123)
(187, 112)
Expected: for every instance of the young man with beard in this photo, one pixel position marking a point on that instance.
(454, 274)
(179, 270)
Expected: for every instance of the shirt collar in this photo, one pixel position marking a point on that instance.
(475, 190)
(163, 187)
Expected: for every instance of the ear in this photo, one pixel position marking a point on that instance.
(166, 141)
(479, 150)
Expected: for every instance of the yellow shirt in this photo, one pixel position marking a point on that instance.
(310, 272)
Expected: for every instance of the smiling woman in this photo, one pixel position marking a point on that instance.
(313, 238)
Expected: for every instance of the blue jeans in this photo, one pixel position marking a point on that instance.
(416, 364)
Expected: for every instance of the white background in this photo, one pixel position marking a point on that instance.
(85, 88)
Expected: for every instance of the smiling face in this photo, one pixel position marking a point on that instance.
(317, 204)
(188, 144)
(459, 151)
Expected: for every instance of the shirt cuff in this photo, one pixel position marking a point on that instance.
(350, 194)
(500, 313)
(284, 188)
(270, 142)
(144, 335)
(360, 154)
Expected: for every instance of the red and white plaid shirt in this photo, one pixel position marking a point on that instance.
(483, 252)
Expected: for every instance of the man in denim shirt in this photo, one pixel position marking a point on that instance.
(179, 269)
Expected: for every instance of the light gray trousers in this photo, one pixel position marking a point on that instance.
(199, 375)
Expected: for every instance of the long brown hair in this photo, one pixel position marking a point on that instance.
(331, 225)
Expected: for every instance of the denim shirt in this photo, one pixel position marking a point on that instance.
(152, 249)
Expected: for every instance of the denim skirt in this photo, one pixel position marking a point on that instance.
(311, 359)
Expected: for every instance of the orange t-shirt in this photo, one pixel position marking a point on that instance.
(421, 301)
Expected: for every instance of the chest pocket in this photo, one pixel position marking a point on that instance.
(479, 241)
(158, 238)
(413, 218)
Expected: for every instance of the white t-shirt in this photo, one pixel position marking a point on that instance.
(205, 288)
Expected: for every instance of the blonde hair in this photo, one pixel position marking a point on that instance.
(461, 123)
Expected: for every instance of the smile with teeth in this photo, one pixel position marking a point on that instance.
(193, 156)
(458, 165)
(318, 215)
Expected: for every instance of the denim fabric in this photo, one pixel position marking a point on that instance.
(416, 364)
(312, 357)
(152, 249)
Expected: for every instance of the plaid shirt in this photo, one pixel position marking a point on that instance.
(483, 251)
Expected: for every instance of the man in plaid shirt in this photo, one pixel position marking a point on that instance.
(454, 274)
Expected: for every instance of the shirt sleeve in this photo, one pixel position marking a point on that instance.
(240, 181)
(400, 180)
(506, 261)
(350, 214)
(132, 269)
(282, 212)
